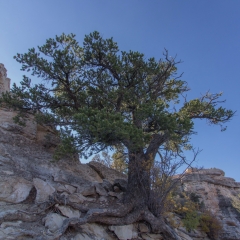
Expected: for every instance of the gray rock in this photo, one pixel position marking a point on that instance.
(84, 236)
(44, 189)
(143, 228)
(87, 190)
(69, 212)
(211, 171)
(93, 232)
(105, 172)
(66, 188)
(183, 235)
(8, 232)
(100, 190)
(107, 185)
(103, 199)
(66, 177)
(4, 80)
(77, 198)
(124, 232)
(14, 189)
(53, 221)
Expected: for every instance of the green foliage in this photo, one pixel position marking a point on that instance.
(66, 146)
(103, 97)
(191, 220)
(206, 221)
(188, 208)
(99, 97)
(194, 215)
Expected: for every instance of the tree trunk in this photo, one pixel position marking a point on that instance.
(138, 189)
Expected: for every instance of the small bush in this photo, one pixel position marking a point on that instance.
(193, 214)
(189, 211)
(191, 220)
(210, 225)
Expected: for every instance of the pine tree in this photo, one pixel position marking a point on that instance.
(100, 97)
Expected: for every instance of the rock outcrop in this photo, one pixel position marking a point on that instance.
(220, 195)
(29, 177)
(4, 81)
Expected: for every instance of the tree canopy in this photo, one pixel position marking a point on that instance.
(100, 96)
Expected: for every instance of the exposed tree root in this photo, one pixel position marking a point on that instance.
(120, 215)
(20, 215)
(159, 226)
(23, 232)
(61, 199)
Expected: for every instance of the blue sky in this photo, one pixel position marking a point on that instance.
(204, 34)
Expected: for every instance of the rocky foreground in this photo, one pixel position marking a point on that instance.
(37, 193)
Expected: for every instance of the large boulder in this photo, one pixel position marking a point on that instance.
(14, 189)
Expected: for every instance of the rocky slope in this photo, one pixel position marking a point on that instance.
(220, 195)
(37, 193)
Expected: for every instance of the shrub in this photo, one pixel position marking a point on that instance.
(191, 220)
(210, 225)
(193, 214)
(189, 211)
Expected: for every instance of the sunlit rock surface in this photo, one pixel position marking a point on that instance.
(4, 80)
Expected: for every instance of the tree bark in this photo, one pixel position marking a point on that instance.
(138, 189)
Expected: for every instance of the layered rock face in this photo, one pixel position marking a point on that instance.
(219, 194)
(4, 81)
(29, 177)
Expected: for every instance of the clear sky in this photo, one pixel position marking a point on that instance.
(204, 34)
